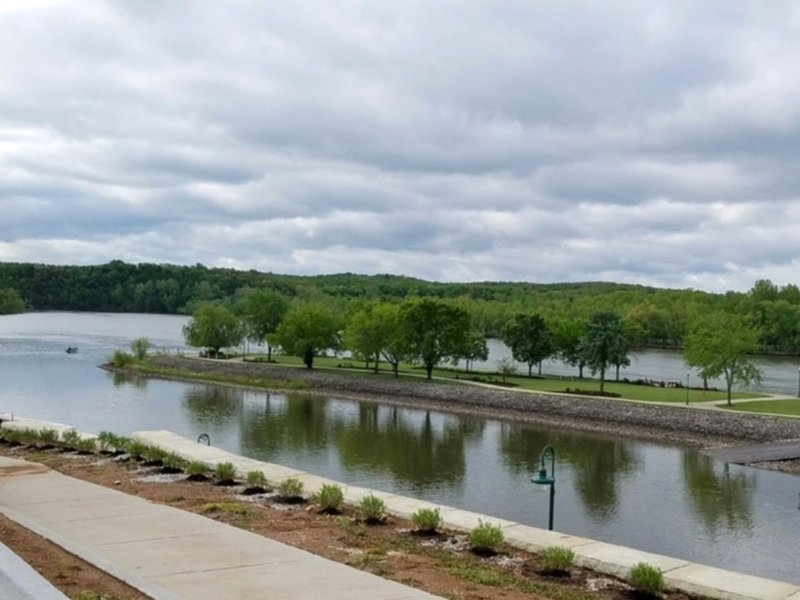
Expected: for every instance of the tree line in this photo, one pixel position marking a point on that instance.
(655, 318)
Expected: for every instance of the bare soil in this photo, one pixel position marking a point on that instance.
(441, 564)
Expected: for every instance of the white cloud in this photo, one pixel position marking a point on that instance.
(646, 142)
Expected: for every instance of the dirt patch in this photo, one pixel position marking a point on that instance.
(440, 564)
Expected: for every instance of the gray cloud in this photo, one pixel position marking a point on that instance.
(648, 142)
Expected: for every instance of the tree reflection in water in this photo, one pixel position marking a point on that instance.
(119, 379)
(720, 499)
(211, 406)
(597, 464)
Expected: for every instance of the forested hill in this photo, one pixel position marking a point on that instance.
(659, 316)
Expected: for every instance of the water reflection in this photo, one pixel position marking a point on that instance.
(720, 499)
(121, 379)
(212, 406)
(297, 421)
(598, 465)
(406, 444)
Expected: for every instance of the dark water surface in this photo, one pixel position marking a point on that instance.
(656, 497)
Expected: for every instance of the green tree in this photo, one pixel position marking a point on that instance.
(476, 349)
(719, 344)
(307, 330)
(567, 336)
(262, 311)
(529, 338)
(372, 332)
(213, 327)
(604, 344)
(10, 301)
(433, 330)
(140, 347)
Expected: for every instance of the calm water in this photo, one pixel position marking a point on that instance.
(660, 498)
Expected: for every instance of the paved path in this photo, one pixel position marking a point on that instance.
(170, 554)
(750, 453)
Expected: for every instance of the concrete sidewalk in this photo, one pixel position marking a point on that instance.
(170, 554)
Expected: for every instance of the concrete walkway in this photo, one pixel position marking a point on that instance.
(170, 554)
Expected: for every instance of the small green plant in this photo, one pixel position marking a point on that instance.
(70, 438)
(121, 359)
(86, 445)
(48, 437)
(172, 463)
(291, 490)
(196, 470)
(256, 483)
(136, 449)
(106, 441)
(153, 455)
(427, 520)
(11, 436)
(225, 473)
(373, 509)
(140, 347)
(646, 579)
(330, 497)
(557, 560)
(485, 539)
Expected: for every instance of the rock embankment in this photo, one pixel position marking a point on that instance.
(670, 423)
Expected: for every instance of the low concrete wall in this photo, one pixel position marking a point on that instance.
(18, 580)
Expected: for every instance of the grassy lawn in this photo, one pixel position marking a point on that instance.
(781, 407)
(547, 384)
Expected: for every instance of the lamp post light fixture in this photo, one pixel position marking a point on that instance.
(545, 478)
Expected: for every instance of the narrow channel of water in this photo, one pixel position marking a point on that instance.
(661, 498)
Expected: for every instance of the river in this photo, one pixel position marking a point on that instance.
(656, 497)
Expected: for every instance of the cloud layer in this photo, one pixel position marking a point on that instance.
(543, 141)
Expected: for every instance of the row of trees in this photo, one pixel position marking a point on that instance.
(654, 317)
(431, 332)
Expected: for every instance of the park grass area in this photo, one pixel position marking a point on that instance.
(629, 391)
(778, 407)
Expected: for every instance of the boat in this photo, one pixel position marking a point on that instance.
(72, 350)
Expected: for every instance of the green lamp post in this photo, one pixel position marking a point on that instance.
(543, 478)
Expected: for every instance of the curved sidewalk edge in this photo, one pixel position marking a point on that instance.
(607, 558)
(19, 581)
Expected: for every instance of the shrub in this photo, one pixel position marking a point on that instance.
(70, 438)
(153, 454)
(427, 520)
(372, 508)
(120, 358)
(86, 445)
(136, 449)
(485, 538)
(330, 497)
(291, 490)
(646, 578)
(557, 559)
(225, 473)
(140, 347)
(28, 435)
(11, 436)
(48, 437)
(106, 441)
(172, 463)
(196, 470)
(256, 483)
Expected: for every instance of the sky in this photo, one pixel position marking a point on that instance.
(470, 140)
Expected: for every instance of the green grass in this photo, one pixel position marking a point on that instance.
(451, 376)
(780, 407)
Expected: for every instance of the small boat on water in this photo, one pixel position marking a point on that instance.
(72, 350)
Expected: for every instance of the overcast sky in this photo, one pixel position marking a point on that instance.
(454, 140)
